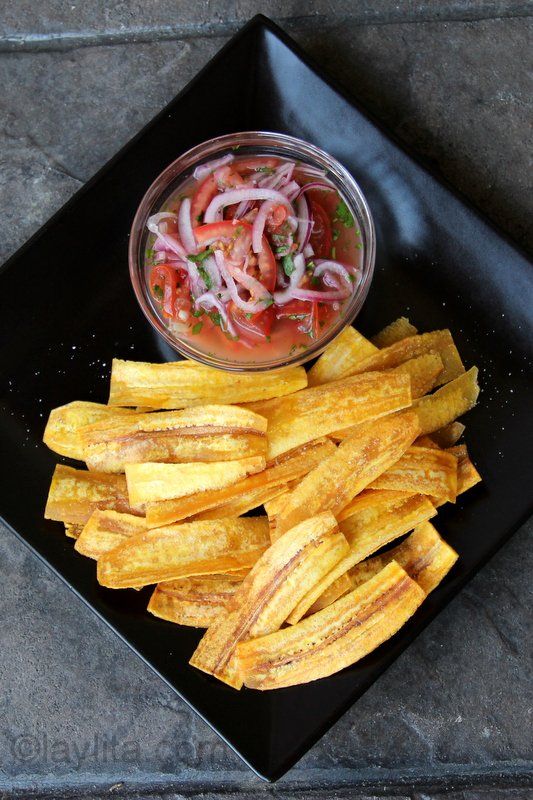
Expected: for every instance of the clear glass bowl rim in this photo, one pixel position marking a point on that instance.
(207, 150)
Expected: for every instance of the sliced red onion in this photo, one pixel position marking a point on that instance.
(315, 185)
(258, 227)
(280, 298)
(335, 267)
(185, 226)
(198, 286)
(234, 196)
(282, 280)
(291, 190)
(211, 267)
(152, 223)
(201, 172)
(321, 297)
(255, 287)
(170, 243)
(245, 305)
(305, 222)
(210, 300)
(307, 169)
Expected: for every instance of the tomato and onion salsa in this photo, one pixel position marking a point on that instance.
(253, 254)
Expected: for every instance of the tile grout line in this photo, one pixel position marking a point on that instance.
(68, 40)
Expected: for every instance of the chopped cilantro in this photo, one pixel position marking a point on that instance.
(315, 281)
(235, 147)
(215, 317)
(343, 214)
(297, 316)
(266, 170)
(238, 230)
(268, 338)
(288, 265)
(334, 252)
(359, 246)
(158, 291)
(310, 265)
(198, 258)
(205, 276)
(197, 328)
(248, 315)
(198, 312)
(268, 301)
(292, 350)
(335, 234)
(199, 217)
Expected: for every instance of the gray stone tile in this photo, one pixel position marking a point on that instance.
(63, 24)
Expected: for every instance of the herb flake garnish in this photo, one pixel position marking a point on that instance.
(344, 215)
(197, 328)
(288, 265)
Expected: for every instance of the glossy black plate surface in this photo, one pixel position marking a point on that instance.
(63, 319)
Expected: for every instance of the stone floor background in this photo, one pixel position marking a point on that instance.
(452, 717)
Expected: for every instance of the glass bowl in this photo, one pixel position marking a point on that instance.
(250, 143)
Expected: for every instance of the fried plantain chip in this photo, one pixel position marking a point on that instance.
(318, 411)
(62, 432)
(423, 555)
(72, 531)
(75, 493)
(197, 602)
(373, 448)
(341, 586)
(204, 433)
(245, 494)
(338, 358)
(269, 592)
(422, 470)
(105, 530)
(185, 383)
(400, 329)
(333, 638)
(451, 401)
(449, 434)
(467, 474)
(424, 372)
(366, 532)
(179, 551)
(439, 342)
(148, 483)
(374, 500)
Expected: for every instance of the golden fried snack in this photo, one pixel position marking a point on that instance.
(373, 448)
(366, 532)
(269, 593)
(425, 557)
(72, 531)
(105, 530)
(451, 401)
(319, 411)
(148, 483)
(341, 586)
(179, 551)
(422, 470)
(467, 474)
(196, 602)
(333, 638)
(338, 358)
(449, 434)
(185, 383)
(75, 493)
(62, 432)
(245, 494)
(400, 329)
(204, 433)
(439, 342)
(424, 372)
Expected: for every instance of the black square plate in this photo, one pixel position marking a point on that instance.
(66, 308)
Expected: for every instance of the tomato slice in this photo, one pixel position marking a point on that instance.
(256, 325)
(201, 199)
(295, 308)
(163, 283)
(227, 229)
(321, 238)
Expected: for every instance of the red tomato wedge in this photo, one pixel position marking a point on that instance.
(321, 238)
(163, 283)
(201, 199)
(295, 308)
(241, 232)
(252, 325)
